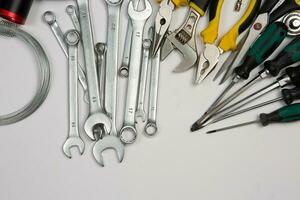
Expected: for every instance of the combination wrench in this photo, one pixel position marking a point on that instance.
(72, 12)
(97, 117)
(50, 18)
(111, 74)
(124, 69)
(72, 38)
(128, 132)
(140, 111)
(151, 126)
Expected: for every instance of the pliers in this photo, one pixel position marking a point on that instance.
(211, 54)
(163, 21)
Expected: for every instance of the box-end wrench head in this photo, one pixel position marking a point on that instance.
(72, 38)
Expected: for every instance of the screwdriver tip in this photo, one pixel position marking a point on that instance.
(210, 132)
(196, 127)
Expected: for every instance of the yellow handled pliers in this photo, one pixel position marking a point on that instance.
(211, 54)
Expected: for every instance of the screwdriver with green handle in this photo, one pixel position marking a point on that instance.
(288, 56)
(264, 46)
(290, 113)
(287, 95)
(290, 77)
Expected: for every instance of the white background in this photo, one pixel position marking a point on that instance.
(241, 164)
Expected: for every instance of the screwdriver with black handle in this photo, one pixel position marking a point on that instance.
(290, 113)
(291, 77)
(288, 56)
(264, 46)
(287, 95)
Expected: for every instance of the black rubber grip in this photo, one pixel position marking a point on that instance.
(263, 47)
(268, 6)
(294, 75)
(212, 9)
(288, 56)
(285, 8)
(290, 95)
(266, 119)
(18, 7)
(202, 4)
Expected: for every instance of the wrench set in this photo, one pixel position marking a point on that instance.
(266, 24)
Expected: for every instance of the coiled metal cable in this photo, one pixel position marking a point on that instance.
(10, 30)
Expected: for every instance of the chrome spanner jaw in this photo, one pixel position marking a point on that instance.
(140, 111)
(73, 140)
(111, 140)
(96, 117)
(138, 19)
(151, 126)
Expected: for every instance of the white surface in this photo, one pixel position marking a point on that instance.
(242, 164)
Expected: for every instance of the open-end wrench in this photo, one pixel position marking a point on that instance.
(151, 126)
(72, 12)
(97, 118)
(111, 140)
(124, 69)
(138, 19)
(100, 50)
(72, 38)
(50, 18)
(140, 111)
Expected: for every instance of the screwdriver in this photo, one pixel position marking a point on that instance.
(290, 113)
(290, 77)
(264, 46)
(287, 95)
(288, 56)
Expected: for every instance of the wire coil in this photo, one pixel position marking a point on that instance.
(8, 29)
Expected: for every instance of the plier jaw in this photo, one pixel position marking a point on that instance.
(162, 24)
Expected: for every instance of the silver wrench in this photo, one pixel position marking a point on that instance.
(140, 111)
(151, 126)
(100, 50)
(72, 38)
(138, 20)
(72, 12)
(97, 118)
(111, 140)
(50, 18)
(124, 69)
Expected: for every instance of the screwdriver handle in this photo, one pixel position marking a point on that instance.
(288, 56)
(263, 47)
(290, 95)
(200, 5)
(268, 6)
(229, 40)
(210, 34)
(288, 113)
(285, 8)
(294, 74)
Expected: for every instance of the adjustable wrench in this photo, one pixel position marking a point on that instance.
(138, 20)
(140, 111)
(50, 18)
(124, 69)
(72, 38)
(97, 118)
(151, 126)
